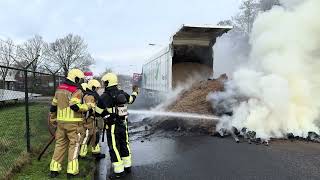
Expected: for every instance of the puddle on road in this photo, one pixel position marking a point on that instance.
(143, 153)
(163, 149)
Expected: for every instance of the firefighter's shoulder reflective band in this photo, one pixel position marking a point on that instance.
(99, 110)
(83, 107)
(110, 110)
(54, 101)
(75, 101)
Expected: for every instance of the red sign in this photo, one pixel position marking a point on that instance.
(136, 77)
(88, 73)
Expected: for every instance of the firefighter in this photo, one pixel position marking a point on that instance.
(112, 106)
(91, 135)
(84, 87)
(67, 104)
(83, 149)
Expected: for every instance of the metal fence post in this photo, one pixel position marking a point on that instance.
(54, 84)
(26, 99)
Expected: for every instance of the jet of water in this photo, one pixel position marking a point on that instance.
(174, 114)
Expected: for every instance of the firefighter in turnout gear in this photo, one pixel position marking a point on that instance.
(67, 104)
(112, 106)
(84, 87)
(91, 135)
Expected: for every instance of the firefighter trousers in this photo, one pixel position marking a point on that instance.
(119, 147)
(90, 138)
(68, 137)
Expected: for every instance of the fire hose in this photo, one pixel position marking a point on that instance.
(51, 128)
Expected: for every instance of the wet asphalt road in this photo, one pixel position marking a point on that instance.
(210, 158)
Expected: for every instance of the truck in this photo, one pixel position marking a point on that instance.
(188, 55)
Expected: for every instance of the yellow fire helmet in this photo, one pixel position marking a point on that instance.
(84, 86)
(75, 75)
(93, 84)
(110, 79)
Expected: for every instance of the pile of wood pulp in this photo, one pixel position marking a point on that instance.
(193, 100)
(183, 72)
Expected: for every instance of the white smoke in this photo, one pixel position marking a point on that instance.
(279, 91)
(172, 96)
(230, 51)
(291, 3)
(166, 100)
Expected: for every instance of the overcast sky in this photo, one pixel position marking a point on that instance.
(117, 31)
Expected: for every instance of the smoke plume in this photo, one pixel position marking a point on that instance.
(230, 51)
(278, 92)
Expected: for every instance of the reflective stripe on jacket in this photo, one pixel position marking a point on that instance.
(66, 96)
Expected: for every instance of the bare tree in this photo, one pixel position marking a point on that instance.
(225, 23)
(235, 29)
(249, 9)
(266, 5)
(107, 70)
(31, 51)
(69, 52)
(7, 56)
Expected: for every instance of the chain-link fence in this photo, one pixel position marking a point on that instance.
(24, 104)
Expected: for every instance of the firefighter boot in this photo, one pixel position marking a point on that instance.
(72, 176)
(83, 150)
(116, 175)
(118, 170)
(73, 167)
(127, 164)
(96, 149)
(127, 170)
(96, 152)
(55, 167)
(53, 174)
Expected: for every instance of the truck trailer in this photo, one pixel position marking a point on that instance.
(188, 55)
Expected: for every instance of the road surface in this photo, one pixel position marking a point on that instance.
(210, 158)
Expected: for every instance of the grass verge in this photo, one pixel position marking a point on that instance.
(40, 169)
(14, 161)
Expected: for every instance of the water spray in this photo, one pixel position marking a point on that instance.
(174, 114)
